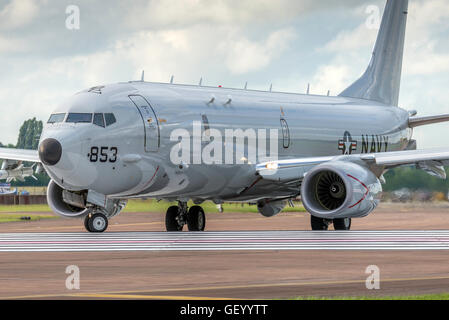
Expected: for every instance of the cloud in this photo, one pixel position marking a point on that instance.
(243, 55)
(360, 37)
(12, 45)
(18, 14)
(421, 57)
(182, 13)
(333, 78)
(424, 52)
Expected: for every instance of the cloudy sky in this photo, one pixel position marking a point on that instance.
(288, 43)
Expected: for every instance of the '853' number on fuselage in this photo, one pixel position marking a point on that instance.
(103, 154)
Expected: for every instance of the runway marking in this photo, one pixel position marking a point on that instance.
(224, 241)
(208, 288)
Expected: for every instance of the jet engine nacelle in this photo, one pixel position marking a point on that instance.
(270, 208)
(340, 190)
(64, 203)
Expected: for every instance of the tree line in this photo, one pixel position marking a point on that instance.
(29, 135)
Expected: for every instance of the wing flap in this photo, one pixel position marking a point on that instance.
(392, 159)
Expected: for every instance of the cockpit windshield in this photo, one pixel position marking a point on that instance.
(99, 119)
(56, 118)
(79, 118)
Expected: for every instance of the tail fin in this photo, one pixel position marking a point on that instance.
(381, 81)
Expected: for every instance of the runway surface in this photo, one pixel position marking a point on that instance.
(225, 241)
(135, 260)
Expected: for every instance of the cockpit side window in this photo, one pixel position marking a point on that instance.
(110, 119)
(79, 118)
(56, 118)
(99, 120)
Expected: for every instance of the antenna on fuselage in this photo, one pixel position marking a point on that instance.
(142, 78)
(328, 93)
(246, 85)
(201, 82)
(308, 88)
(271, 87)
(171, 79)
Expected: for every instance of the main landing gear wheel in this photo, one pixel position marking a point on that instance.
(171, 219)
(319, 224)
(178, 216)
(196, 219)
(342, 224)
(96, 222)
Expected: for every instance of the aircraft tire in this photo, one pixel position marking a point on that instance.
(86, 222)
(98, 223)
(196, 219)
(342, 224)
(171, 224)
(318, 224)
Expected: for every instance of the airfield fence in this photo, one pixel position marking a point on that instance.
(22, 199)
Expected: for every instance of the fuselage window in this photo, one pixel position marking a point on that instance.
(98, 119)
(79, 118)
(56, 118)
(110, 118)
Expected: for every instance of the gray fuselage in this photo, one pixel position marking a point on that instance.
(143, 145)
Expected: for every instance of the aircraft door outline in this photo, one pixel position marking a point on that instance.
(150, 123)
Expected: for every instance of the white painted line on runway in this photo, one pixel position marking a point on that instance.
(224, 241)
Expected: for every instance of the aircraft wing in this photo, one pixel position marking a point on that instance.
(19, 155)
(432, 161)
(12, 166)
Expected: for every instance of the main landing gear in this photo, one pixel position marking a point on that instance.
(178, 216)
(323, 224)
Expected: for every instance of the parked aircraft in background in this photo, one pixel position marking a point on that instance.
(175, 142)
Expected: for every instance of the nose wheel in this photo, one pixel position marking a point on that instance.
(178, 216)
(96, 222)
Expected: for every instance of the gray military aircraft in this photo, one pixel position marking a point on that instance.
(182, 142)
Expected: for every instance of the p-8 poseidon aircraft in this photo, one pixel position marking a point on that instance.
(184, 143)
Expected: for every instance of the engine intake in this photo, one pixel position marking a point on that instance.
(340, 190)
(57, 197)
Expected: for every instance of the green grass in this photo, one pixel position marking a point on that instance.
(209, 207)
(24, 208)
(151, 206)
(442, 296)
(17, 217)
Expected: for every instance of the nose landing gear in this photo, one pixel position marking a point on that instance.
(178, 216)
(96, 222)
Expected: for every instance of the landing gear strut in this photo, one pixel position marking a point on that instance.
(96, 222)
(178, 216)
(323, 224)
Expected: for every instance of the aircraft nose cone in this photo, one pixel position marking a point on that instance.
(50, 152)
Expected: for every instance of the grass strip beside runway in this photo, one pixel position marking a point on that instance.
(21, 217)
(151, 206)
(442, 296)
